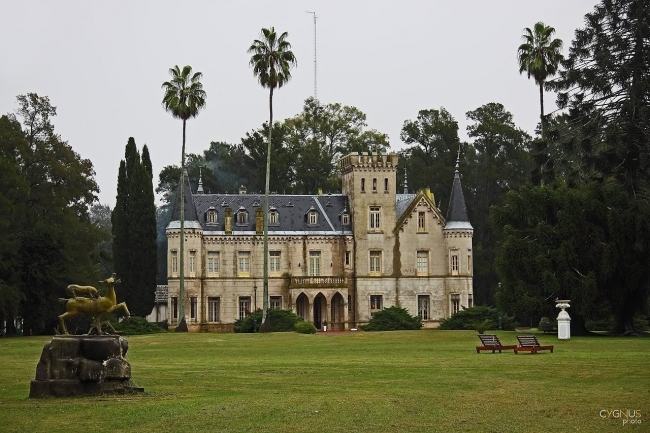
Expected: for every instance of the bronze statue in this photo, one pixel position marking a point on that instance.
(92, 306)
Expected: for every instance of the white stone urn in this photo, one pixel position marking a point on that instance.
(563, 320)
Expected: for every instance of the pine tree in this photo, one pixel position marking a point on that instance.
(134, 231)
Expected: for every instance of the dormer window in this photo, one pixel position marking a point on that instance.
(274, 216)
(313, 217)
(242, 216)
(211, 216)
(345, 218)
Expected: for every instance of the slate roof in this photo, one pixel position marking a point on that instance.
(402, 202)
(292, 211)
(457, 213)
(161, 294)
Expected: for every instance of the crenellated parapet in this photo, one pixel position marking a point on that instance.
(367, 161)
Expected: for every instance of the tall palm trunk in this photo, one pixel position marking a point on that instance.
(265, 214)
(541, 106)
(181, 317)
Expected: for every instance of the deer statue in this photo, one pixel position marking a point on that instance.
(74, 290)
(93, 307)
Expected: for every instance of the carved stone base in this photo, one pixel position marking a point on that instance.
(73, 365)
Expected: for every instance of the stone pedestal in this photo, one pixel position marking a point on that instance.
(563, 321)
(73, 365)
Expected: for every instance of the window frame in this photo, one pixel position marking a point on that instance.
(422, 222)
(424, 313)
(376, 303)
(315, 263)
(275, 302)
(214, 307)
(374, 218)
(375, 262)
(422, 263)
(243, 263)
(274, 259)
(243, 301)
(213, 263)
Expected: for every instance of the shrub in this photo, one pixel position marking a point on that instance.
(281, 321)
(305, 328)
(545, 325)
(392, 319)
(136, 326)
(478, 317)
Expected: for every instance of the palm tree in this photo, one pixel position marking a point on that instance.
(272, 61)
(184, 97)
(539, 56)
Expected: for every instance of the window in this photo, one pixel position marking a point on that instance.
(363, 185)
(211, 217)
(454, 263)
(275, 302)
(375, 304)
(274, 262)
(174, 308)
(244, 307)
(273, 217)
(192, 262)
(213, 263)
(213, 309)
(386, 185)
(242, 217)
(423, 263)
(422, 222)
(347, 258)
(374, 185)
(375, 262)
(174, 262)
(423, 307)
(469, 261)
(193, 305)
(244, 259)
(313, 218)
(455, 303)
(314, 263)
(345, 219)
(374, 218)
(470, 300)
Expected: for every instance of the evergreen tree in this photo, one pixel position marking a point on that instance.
(134, 231)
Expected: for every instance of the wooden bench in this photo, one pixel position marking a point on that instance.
(529, 343)
(491, 342)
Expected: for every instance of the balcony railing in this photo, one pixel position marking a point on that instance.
(319, 282)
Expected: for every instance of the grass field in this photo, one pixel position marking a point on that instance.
(420, 381)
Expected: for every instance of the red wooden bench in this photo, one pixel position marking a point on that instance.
(491, 342)
(529, 343)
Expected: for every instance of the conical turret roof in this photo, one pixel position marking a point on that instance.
(457, 213)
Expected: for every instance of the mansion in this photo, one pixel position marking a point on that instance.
(334, 259)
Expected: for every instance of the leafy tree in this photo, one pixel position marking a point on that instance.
(184, 98)
(496, 162)
(431, 157)
(539, 56)
(49, 239)
(272, 60)
(320, 135)
(134, 231)
(589, 244)
(605, 85)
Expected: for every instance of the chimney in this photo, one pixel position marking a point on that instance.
(320, 191)
(242, 189)
(259, 221)
(228, 221)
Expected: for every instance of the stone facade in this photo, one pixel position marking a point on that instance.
(334, 259)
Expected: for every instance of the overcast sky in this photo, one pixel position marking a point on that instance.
(102, 65)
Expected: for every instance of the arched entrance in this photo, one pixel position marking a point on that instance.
(337, 313)
(302, 306)
(320, 310)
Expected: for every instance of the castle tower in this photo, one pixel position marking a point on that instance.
(458, 233)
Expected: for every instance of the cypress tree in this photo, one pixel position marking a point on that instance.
(134, 231)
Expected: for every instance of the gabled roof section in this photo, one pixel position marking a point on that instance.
(408, 202)
(457, 213)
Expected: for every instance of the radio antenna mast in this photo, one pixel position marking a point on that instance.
(315, 93)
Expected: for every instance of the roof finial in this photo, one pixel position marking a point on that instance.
(458, 159)
(199, 190)
(406, 185)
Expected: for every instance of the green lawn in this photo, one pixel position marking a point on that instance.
(421, 381)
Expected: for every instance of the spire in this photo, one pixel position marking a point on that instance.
(406, 185)
(457, 213)
(190, 209)
(199, 190)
